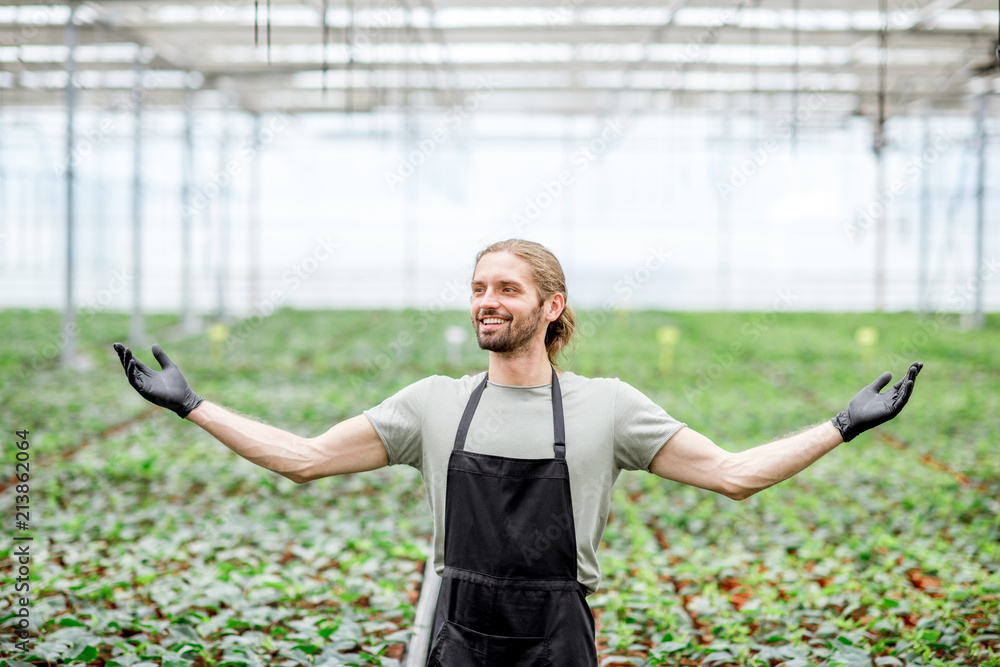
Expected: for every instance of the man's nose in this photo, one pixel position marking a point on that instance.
(489, 298)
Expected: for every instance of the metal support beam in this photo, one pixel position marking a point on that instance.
(881, 216)
(223, 216)
(568, 210)
(253, 231)
(923, 268)
(411, 193)
(69, 316)
(137, 327)
(4, 198)
(725, 217)
(977, 315)
(879, 146)
(188, 322)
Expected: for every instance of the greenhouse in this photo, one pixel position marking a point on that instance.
(336, 217)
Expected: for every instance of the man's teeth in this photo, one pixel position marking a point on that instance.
(493, 320)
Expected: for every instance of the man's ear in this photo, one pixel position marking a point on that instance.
(558, 304)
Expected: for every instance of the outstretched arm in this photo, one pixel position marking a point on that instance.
(691, 458)
(350, 446)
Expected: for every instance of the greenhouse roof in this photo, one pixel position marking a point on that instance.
(548, 56)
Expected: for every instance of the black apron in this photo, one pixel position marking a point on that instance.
(509, 594)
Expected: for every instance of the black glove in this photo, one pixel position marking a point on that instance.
(870, 408)
(166, 388)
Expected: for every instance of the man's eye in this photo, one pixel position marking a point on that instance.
(476, 290)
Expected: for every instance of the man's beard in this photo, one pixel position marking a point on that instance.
(513, 338)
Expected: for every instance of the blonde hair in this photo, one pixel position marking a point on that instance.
(548, 277)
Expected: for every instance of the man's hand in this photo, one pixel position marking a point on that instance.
(870, 408)
(166, 388)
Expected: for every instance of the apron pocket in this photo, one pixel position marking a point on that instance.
(458, 646)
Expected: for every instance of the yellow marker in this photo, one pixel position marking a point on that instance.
(866, 337)
(668, 337)
(218, 334)
(621, 315)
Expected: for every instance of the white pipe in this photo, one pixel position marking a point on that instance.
(423, 623)
(69, 317)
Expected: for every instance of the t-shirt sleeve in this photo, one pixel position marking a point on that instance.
(641, 428)
(398, 420)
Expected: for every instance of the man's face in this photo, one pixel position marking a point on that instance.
(505, 310)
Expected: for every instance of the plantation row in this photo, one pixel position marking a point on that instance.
(153, 544)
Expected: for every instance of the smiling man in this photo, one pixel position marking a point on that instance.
(518, 461)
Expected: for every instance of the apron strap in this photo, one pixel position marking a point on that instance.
(470, 409)
(558, 423)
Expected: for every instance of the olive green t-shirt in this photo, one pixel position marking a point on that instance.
(610, 427)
